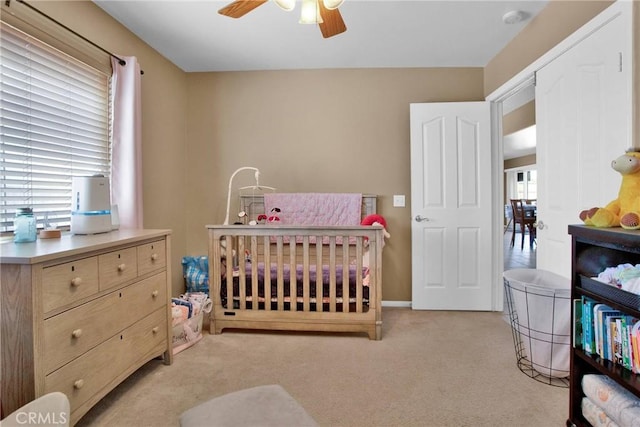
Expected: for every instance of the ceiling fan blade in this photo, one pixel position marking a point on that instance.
(333, 23)
(240, 8)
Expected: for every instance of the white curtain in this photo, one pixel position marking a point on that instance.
(126, 149)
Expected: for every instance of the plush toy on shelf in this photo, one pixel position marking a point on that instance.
(625, 210)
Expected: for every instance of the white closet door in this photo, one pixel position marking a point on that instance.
(583, 120)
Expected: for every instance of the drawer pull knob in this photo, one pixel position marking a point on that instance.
(154, 293)
(76, 281)
(122, 267)
(155, 330)
(77, 333)
(78, 384)
(154, 257)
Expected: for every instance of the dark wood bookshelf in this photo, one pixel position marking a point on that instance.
(593, 250)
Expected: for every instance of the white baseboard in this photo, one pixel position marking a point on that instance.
(406, 304)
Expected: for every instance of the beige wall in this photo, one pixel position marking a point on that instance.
(520, 118)
(520, 162)
(314, 131)
(321, 130)
(164, 103)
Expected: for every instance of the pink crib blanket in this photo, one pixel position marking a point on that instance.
(323, 209)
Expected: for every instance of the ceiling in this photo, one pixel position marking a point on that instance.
(380, 34)
(520, 143)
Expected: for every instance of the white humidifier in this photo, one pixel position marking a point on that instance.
(90, 205)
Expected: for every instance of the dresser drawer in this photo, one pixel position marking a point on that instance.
(151, 256)
(117, 267)
(69, 334)
(145, 296)
(66, 283)
(87, 375)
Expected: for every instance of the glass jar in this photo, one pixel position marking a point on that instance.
(24, 226)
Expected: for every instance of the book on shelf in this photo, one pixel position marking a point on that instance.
(626, 350)
(588, 343)
(635, 348)
(607, 339)
(601, 332)
(615, 338)
(578, 332)
(611, 334)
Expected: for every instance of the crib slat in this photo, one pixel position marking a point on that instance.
(242, 278)
(293, 288)
(305, 274)
(375, 271)
(332, 274)
(319, 294)
(254, 272)
(215, 265)
(359, 284)
(230, 271)
(345, 274)
(267, 276)
(280, 274)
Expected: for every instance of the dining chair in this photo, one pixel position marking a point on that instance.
(525, 220)
(508, 215)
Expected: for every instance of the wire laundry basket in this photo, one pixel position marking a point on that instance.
(539, 309)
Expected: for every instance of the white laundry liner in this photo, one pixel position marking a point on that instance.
(539, 304)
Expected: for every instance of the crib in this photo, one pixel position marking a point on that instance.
(296, 278)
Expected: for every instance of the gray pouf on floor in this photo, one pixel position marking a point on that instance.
(268, 405)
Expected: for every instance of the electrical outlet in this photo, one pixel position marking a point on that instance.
(398, 201)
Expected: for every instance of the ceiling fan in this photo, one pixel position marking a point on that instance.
(325, 13)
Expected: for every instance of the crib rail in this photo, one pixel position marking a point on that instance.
(296, 278)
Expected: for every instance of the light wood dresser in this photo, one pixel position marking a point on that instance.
(79, 314)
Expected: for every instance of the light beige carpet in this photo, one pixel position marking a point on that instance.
(431, 368)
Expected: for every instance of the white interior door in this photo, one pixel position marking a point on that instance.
(451, 201)
(583, 119)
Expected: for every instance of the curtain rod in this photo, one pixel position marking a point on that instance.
(120, 60)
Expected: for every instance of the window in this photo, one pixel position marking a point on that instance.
(527, 188)
(521, 183)
(54, 124)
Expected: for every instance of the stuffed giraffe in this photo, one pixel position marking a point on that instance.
(625, 210)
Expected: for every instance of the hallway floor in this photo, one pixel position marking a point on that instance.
(514, 257)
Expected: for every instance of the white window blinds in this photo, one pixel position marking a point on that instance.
(54, 124)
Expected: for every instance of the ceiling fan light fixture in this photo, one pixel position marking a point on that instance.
(287, 5)
(332, 4)
(310, 12)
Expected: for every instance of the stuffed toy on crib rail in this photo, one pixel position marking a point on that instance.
(625, 210)
(374, 219)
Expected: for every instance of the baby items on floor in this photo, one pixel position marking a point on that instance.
(187, 313)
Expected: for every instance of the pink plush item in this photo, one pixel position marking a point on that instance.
(375, 219)
(370, 219)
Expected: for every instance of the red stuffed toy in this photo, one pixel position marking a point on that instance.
(375, 219)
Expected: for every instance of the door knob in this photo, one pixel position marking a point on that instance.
(540, 225)
(420, 218)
